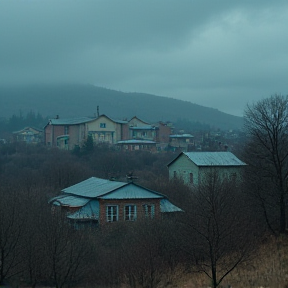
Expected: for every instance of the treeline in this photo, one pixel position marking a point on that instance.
(20, 121)
(217, 231)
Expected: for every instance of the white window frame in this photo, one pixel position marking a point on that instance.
(149, 210)
(130, 212)
(112, 213)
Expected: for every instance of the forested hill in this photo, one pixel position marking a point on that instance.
(82, 100)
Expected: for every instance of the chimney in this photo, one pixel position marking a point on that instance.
(97, 111)
(57, 116)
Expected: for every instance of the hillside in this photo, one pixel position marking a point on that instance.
(82, 100)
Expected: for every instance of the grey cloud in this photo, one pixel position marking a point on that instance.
(200, 51)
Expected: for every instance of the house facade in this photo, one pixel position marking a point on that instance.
(192, 167)
(106, 130)
(181, 142)
(66, 133)
(28, 135)
(103, 201)
(133, 134)
(134, 145)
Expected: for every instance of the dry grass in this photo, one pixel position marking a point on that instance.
(268, 269)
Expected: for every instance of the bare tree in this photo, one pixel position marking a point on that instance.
(217, 229)
(64, 250)
(266, 123)
(12, 225)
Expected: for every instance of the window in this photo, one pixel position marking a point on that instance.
(102, 125)
(101, 138)
(66, 130)
(130, 212)
(191, 178)
(149, 210)
(233, 176)
(112, 213)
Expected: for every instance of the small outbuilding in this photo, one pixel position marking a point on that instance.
(191, 167)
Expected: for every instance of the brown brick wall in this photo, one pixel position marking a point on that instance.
(163, 133)
(125, 131)
(121, 204)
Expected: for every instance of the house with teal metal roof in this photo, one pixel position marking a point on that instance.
(102, 201)
(192, 167)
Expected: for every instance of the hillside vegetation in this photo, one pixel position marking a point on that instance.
(82, 100)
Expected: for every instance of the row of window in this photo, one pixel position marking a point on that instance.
(130, 212)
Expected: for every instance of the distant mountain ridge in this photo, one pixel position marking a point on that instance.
(73, 100)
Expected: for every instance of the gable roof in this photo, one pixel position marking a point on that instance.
(28, 130)
(132, 191)
(71, 121)
(114, 120)
(87, 193)
(140, 120)
(216, 159)
(93, 187)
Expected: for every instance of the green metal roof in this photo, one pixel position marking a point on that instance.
(132, 191)
(166, 206)
(93, 187)
(71, 121)
(88, 212)
(86, 194)
(216, 159)
(69, 200)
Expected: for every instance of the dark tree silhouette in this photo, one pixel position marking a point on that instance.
(266, 123)
(218, 230)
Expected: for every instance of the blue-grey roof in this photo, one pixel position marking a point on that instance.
(181, 136)
(114, 120)
(147, 127)
(132, 191)
(89, 211)
(71, 121)
(69, 200)
(93, 187)
(119, 121)
(166, 206)
(135, 141)
(214, 159)
(84, 195)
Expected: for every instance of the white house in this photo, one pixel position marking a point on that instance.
(191, 166)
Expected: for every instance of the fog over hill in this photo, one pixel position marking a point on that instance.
(73, 100)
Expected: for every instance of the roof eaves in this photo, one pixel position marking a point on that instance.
(175, 159)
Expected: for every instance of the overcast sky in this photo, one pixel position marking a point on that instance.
(220, 54)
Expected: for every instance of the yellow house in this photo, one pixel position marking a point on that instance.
(106, 130)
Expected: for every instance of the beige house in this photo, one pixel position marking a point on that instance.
(106, 130)
(134, 134)
(192, 167)
(28, 135)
